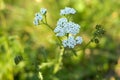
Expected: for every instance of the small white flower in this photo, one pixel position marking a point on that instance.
(64, 43)
(72, 28)
(79, 40)
(60, 33)
(67, 10)
(70, 42)
(36, 21)
(61, 21)
(43, 11)
(38, 16)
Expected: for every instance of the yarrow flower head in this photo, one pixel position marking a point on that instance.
(71, 42)
(67, 11)
(72, 28)
(64, 27)
(39, 16)
(60, 30)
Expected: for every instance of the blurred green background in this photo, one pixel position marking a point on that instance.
(18, 36)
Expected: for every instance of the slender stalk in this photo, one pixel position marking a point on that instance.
(45, 19)
(85, 48)
(52, 31)
(45, 23)
(61, 54)
(49, 26)
(88, 43)
(59, 60)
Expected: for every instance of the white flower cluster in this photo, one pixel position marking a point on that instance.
(71, 42)
(39, 16)
(64, 26)
(67, 11)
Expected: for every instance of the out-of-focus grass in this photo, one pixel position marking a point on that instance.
(18, 36)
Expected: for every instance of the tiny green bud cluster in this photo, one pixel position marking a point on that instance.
(98, 33)
(18, 59)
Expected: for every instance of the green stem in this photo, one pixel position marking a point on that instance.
(48, 26)
(53, 32)
(45, 19)
(59, 60)
(61, 54)
(85, 48)
(74, 52)
(45, 23)
(88, 43)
